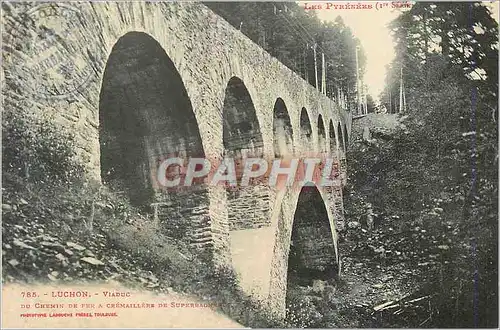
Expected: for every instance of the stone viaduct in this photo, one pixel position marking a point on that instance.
(138, 81)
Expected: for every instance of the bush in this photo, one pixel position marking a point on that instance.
(34, 148)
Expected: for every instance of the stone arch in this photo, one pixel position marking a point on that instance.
(304, 214)
(242, 138)
(145, 116)
(342, 152)
(241, 129)
(247, 207)
(333, 141)
(341, 139)
(311, 223)
(282, 130)
(322, 145)
(305, 129)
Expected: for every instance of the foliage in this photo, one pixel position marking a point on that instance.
(464, 34)
(35, 148)
(132, 249)
(38, 157)
(439, 173)
(428, 176)
(370, 104)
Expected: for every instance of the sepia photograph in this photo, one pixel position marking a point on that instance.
(223, 164)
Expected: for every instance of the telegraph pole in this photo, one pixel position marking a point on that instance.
(404, 92)
(365, 99)
(315, 65)
(306, 74)
(323, 74)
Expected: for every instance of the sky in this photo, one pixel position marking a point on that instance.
(370, 27)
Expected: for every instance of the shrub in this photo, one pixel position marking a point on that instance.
(36, 149)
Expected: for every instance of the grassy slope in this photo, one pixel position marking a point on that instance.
(42, 224)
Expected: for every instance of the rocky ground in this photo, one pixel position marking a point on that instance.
(382, 275)
(395, 265)
(33, 253)
(75, 236)
(382, 283)
(379, 266)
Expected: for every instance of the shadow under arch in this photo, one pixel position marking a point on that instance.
(242, 138)
(333, 141)
(305, 246)
(282, 130)
(322, 145)
(241, 129)
(247, 206)
(346, 136)
(311, 224)
(305, 129)
(145, 116)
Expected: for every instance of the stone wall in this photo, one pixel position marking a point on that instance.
(249, 207)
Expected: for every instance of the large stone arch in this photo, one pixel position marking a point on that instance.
(146, 116)
(311, 224)
(242, 138)
(248, 207)
(289, 205)
(282, 130)
(173, 25)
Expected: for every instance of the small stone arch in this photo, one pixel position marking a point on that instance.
(282, 130)
(322, 144)
(333, 140)
(305, 129)
(241, 129)
(346, 135)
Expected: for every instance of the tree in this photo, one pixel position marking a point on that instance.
(449, 56)
(464, 34)
(370, 104)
